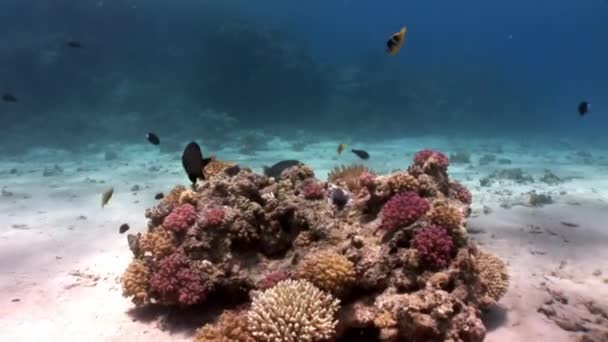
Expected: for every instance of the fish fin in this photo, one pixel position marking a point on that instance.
(207, 161)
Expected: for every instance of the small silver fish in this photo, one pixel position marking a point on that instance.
(105, 197)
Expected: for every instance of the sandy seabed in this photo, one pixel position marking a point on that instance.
(61, 256)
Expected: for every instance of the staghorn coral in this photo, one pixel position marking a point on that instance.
(135, 282)
(402, 210)
(293, 311)
(348, 176)
(180, 218)
(434, 246)
(447, 216)
(176, 281)
(493, 273)
(231, 326)
(328, 271)
(403, 181)
(158, 242)
(313, 191)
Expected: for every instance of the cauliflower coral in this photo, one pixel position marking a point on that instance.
(176, 281)
(135, 282)
(493, 272)
(180, 218)
(402, 210)
(432, 157)
(328, 271)
(293, 311)
(434, 246)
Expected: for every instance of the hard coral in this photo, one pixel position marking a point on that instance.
(176, 281)
(426, 157)
(348, 176)
(180, 218)
(313, 191)
(403, 181)
(173, 197)
(434, 246)
(135, 282)
(402, 210)
(293, 311)
(215, 166)
(328, 271)
(493, 272)
(272, 279)
(461, 193)
(230, 327)
(213, 217)
(445, 215)
(158, 242)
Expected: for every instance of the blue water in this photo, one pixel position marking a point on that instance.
(511, 68)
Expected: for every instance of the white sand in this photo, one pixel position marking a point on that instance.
(61, 254)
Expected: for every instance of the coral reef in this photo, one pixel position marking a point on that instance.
(293, 311)
(394, 248)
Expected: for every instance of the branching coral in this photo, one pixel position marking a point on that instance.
(293, 311)
(403, 181)
(158, 242)
(328, 271)
(313, 190)
(213, 217)
(434, 246)
(135, 282)
(230, 327)
(460, 192)
(180, 218)
(348, 176)
(402, 210)
(429, 157)
(445, 215)
(493, 272)
(176, 281)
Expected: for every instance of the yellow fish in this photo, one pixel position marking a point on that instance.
(395, 42)
(341, 148)
(105, 197)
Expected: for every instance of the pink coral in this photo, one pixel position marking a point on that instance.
(313, 190)
(366, 179)
(271, 279)
(214, 216)
(434, 246)
(461, 193)
(402, 210)
(421, 157)
(175, 280)
(180, 218)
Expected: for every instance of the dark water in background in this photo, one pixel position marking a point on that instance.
(316, 66)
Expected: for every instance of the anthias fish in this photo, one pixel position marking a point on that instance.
(361, 154)
(105, 197)
(74, 44)
(395, 42)
(276, 169)
(341, 148)
(583, 108)
(9, 98)
(153, 138)
(193, 162)
(123, 228)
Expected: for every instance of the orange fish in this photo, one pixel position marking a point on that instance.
(395, 42)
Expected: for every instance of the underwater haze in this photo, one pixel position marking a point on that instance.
(413, 170)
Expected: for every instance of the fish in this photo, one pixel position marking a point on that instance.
(159, 196)
(153, 138)
(105, 197)
(193, 162)
(341, 148)
(276, 169)
(339, 198)
(123, 228)
(395, 42)
(74, 44)
(9, 98)
(583, 108)
(361, 154)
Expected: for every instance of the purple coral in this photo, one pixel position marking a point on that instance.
(461, 193)
(313, 190)
(214, 217)
(421, 157)
(402, 210)
(180, 218)
(434, 246)
(271, 279)
(175, 280)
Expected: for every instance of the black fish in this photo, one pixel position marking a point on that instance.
(361, 154)
(193, 162)
(9, 98)
(159, 195)
(276, 169)
(123, 228)
(339, 198)
(583, 108)
(74, 44)
(153, 138)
